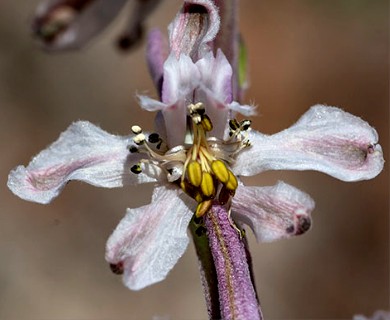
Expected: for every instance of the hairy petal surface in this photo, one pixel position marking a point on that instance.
(150, 240)
(324, 139)
(83, 152)
(66, 24)
(193, 28)
(273, 213)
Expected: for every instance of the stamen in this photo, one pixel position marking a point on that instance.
(136, 169)
(202, 208)
(207, 185)
(154, 138)
(220, 171)
(136, 129)
(133, 149)
(139, 139)
(194, 172)
(245, 125)
(206, 123)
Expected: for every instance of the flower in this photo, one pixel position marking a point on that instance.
(197, 156)
(64, 24)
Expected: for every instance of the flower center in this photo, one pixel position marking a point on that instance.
(200, 168)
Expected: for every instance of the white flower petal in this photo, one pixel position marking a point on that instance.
(83, 152)
(181, 77)
(150, 104)
(325, 139)
(244, 109)
(273, 213)
(150, 240)
(216, 76)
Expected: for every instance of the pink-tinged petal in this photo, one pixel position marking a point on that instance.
(70, 24)
(216, 75)
(174, 117)
(273, 213)
(181, 77)
(149, 240)
(193, 28)
(156, 54)
(134, 30)
(325, 139)
(83, 152)
(175, 123)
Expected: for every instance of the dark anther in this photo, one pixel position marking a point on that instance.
(117, 268)
(201, 111)
(133, 149)
(154, 138)
(136, 169)
(304, 224)
(233, 124)
(200, 231)
(245, 124)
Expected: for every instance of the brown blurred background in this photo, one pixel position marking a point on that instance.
(302, 52)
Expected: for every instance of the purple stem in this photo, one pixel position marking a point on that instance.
(237, 296)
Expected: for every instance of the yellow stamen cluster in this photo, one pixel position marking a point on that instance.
(205, 176)
(199, 166)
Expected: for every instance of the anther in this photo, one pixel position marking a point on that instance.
(232, 183)
(139, 139)
(220, 170)
(133, 149)
(207, 185)
(202, 208)
(206, 123)
(196, 118)
(154, 138)
(136, 169)
(234, 125)
(194, 172)
(245, 125)
(197, 108)
(136, 129)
